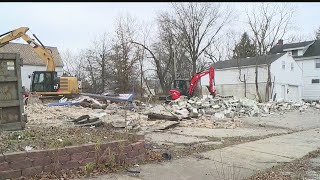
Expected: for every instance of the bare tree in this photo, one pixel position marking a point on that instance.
(124, 55)
(222, 48)
(164, 52)
(97, 65)
(73, 64)
(196, 25)
(268, 23)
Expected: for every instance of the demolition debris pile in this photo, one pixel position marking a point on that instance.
(220, 112)
(220, 108)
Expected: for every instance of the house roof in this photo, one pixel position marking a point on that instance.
(313, 49)
(267, 59)
(29, 56)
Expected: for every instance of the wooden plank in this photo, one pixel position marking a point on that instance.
(9, 103)
(154, 116)
(11, 126)
(8, 79)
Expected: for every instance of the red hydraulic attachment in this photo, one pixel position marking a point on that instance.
(175, 94)
(198, 76)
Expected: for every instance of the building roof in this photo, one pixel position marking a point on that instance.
(267, 59)
(29, 56)
(313, 49)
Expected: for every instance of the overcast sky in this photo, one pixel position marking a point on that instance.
(74, 25)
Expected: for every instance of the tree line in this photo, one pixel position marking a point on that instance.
(189, 37)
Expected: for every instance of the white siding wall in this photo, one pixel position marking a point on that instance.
(231, 76)
(227, 80)
(286, 76)
(309, 72)
(27, 70)
(288, 83)
(290, 79)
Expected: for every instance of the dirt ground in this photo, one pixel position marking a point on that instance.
(37, 138)
(50, 127)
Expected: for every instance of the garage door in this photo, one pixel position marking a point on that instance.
(293, 93)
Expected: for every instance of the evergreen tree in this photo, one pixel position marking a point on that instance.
(244, 48)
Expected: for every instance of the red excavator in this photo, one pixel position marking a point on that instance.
(186, 87)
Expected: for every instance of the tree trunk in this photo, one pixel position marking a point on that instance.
(194, 66)
(103, 74)
(141, 80)
(257, 85)
(268, 85)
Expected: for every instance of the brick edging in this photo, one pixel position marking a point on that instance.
(24, 164)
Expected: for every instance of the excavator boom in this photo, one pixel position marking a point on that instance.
(181, 85)
(195, 79)
(40, 50)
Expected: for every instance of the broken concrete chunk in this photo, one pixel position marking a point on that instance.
(219, 115)
(230, 114)
(194, 112)
(215, 106)
(266, 110)
(183, 112)
(119, 124)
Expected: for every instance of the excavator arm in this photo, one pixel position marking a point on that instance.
(40, 50)
(195, 79)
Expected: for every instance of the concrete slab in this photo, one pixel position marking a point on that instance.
(111, 176)
(211, 143)
(161, 138)
(315, 162)
(243, 132)
(241, 160)
(294, 120)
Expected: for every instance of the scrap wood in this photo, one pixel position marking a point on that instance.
(152, 116)
(95, 123)
(167, 125)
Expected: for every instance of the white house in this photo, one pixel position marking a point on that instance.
(286, 77)
(307, 56)
(31, 61)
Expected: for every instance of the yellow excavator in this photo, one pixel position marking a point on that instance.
(44, 83)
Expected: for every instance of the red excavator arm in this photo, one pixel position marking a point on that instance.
(197, 77)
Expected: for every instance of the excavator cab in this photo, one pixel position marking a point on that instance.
(182, 85)
(44, 81)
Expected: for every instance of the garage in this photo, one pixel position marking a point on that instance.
(293, 93)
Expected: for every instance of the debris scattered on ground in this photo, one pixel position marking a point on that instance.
(36, 138)
(167, 156)
(222, 108)
(220, 112)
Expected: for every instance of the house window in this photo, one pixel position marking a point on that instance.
(292, 66)
(295, 53)
(318, 63)
(283, 65)
(315, 81)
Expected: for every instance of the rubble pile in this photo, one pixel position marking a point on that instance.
(220, 112)
(223, 108)
(283, 106)
(219, 108)
(54, 116)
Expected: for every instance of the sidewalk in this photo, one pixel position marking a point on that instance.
(234, 162)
